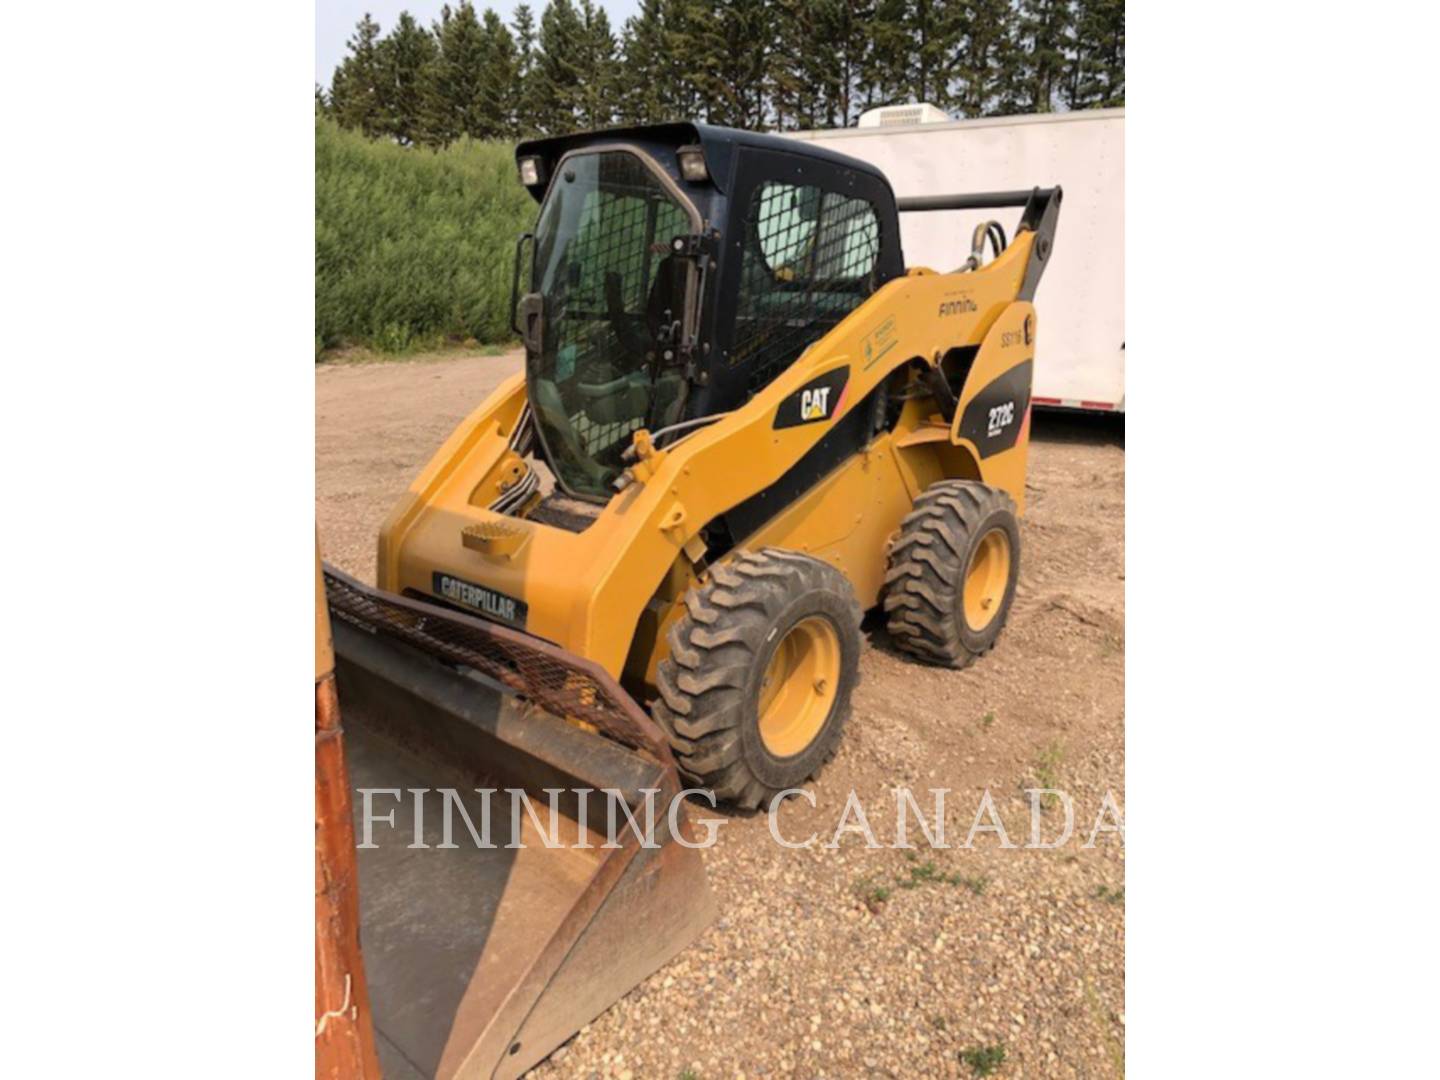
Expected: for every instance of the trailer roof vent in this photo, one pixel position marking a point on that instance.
(903, 116)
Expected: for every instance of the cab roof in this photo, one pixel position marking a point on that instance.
(718, 143)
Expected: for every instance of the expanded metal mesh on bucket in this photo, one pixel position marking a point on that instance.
(555, 680)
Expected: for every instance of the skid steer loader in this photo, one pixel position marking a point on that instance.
(643, 562)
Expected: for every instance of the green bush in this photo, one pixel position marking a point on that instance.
(413, 246)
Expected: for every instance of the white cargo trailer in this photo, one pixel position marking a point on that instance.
(1080, 358)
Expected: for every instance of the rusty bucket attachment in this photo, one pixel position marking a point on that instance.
(482, 957)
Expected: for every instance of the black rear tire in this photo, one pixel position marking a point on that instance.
(723, 649)
(954, 524)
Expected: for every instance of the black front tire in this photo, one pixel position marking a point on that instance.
(720, 651)
(924, 594)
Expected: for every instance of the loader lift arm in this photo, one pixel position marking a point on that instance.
(1041, 215)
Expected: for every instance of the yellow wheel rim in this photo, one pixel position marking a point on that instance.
(799, 686)
(986, 578)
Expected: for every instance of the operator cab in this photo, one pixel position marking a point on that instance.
(676, 270)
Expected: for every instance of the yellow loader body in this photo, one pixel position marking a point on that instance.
(587, 591)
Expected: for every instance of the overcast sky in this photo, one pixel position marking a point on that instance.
(335, 21)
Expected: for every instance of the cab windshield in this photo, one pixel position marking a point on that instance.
(612, 296)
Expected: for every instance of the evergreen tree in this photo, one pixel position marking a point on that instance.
(498, 101)
(781, 64)
(819, 61)
(1042, 32)
(723, 48)
(913, 51)
(557, 72)
(986, 56)
(355, 98)
(933, 32)
(792, 65)
(451, 86)
(641, 91)
(402, 58)
(690, 54)
(748, 38)
(884, 78)
(1097, 71)
(845, 27)
(524, 68)
(596, 66)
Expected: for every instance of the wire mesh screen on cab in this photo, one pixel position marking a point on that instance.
(603, 256)
(809, 260)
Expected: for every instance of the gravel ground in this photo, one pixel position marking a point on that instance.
(856, 961)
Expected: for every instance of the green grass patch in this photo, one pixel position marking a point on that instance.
(1109, 895)
(1047, 772)
(872, 893)
(984, 1060)
(920, 874)
(977, 883)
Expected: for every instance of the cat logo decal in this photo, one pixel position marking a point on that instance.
(820, 399)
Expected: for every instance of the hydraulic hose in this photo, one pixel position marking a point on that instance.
(991, 230)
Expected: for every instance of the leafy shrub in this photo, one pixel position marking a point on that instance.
(413, 245)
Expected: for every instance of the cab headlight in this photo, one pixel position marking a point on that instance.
(692, 164)
(532, 171)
